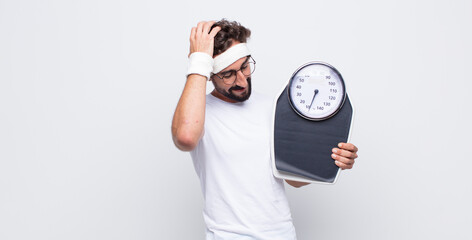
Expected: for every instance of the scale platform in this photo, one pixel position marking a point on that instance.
(301, 149)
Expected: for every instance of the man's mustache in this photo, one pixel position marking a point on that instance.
(239, 87)
(236, 88)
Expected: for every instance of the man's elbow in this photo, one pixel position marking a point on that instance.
(185, 142)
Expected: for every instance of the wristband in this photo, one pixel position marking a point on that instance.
(200, 63)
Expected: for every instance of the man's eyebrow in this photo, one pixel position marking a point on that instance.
(247, 60)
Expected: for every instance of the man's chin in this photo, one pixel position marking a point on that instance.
(241, 96)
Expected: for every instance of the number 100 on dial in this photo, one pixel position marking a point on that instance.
(316, 91)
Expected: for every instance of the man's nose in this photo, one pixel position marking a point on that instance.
(240, 77)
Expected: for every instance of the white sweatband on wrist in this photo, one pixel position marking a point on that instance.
(200, 63)
(230, 56)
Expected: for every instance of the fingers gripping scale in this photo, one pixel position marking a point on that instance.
(312, 114)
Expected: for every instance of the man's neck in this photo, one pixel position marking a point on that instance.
(222, 97)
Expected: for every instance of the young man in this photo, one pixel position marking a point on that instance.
(228, 135)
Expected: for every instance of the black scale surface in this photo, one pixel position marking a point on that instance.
(303, 147)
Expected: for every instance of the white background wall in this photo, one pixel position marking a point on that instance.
(88, 89)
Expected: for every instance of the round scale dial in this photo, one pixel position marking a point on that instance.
(316, 91)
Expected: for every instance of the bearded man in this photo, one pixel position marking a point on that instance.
(228, 135)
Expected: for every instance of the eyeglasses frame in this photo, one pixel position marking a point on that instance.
(249, 58)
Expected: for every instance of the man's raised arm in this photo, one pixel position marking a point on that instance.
(189, 115)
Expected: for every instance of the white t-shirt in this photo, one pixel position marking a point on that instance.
(243, 200)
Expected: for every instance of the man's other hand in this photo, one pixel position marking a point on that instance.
(345, 155)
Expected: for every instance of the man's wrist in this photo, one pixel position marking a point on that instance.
(200, 63)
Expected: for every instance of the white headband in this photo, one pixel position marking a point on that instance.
(230, 56)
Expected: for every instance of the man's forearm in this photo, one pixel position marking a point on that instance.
(296, 184)
(189, 116)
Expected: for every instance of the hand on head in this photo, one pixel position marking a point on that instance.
(202, 39)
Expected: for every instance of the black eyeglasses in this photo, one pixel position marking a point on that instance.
(247, 68)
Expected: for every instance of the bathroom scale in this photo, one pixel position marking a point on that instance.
(311, 115)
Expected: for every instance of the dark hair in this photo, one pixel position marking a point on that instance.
(229, 31)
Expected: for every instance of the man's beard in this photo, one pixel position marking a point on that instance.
(229, 94)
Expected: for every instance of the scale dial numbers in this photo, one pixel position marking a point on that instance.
(316, 91)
